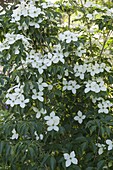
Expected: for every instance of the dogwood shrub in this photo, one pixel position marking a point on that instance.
(56, 86)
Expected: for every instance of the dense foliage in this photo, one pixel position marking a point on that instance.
(56, 87)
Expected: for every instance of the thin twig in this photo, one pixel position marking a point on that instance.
(90, 40)
(105, 42)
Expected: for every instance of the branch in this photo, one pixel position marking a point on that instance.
(105, 43)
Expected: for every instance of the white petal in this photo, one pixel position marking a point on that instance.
(13, 131)
(34, 97)
(68, 163)
(35, 109)
(50, 128)
(56, 120)
(80, 121)
(40, 98)
(83, 117)
(52, 114)
(38, 115)
(110, 147)
(41, 136)
(74, 91)
(26, 100)
(74, 161)
(109, 142)
(50, 122)
(47, 117)
(82, 76)
(87, 90)
(22, 105)
(79, 113)
(76, 118)
(66, 156)
(56, 128)
(100, 151)
(72, 154)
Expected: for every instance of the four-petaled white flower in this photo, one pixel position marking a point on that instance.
(110, 144)
(39, 112)
(71, 85)
(15, 134)
(80, 117)
(80, 70)
(22, 101)
(41, 84)
(52, 121)
(70, 158)
(101, 148)
(37, 95)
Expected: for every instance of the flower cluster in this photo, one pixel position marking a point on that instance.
(95, 85)
(26, 9)
(104, 106)
(66, 70)
(17, 97)
(93, 69)
(68, 36)
(52, 121)
(38, 94)
(48, 4)
(11, 38)
(42, 62)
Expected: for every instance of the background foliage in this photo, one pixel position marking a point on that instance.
(56, 58)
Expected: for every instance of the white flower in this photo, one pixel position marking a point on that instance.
(101, 148)
(110, 144)
(52, 121)
(15, 134)
(11, 100)
(22, 101)
(48, 59)
(41, 84)
(70, 158)
(37, 95)
(39, 112)
(80, 70)
(58, 54)
(80, 117)
(41, 136)
(96, 85)
(89, 16)
(71, 85)
(65, 83)
(88, 4)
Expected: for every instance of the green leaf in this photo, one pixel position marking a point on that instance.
(90, 168)
(45, 158)
(1, 146)
(52, 163)
(100, 165)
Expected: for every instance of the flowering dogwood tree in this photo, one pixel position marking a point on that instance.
(56, 87)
